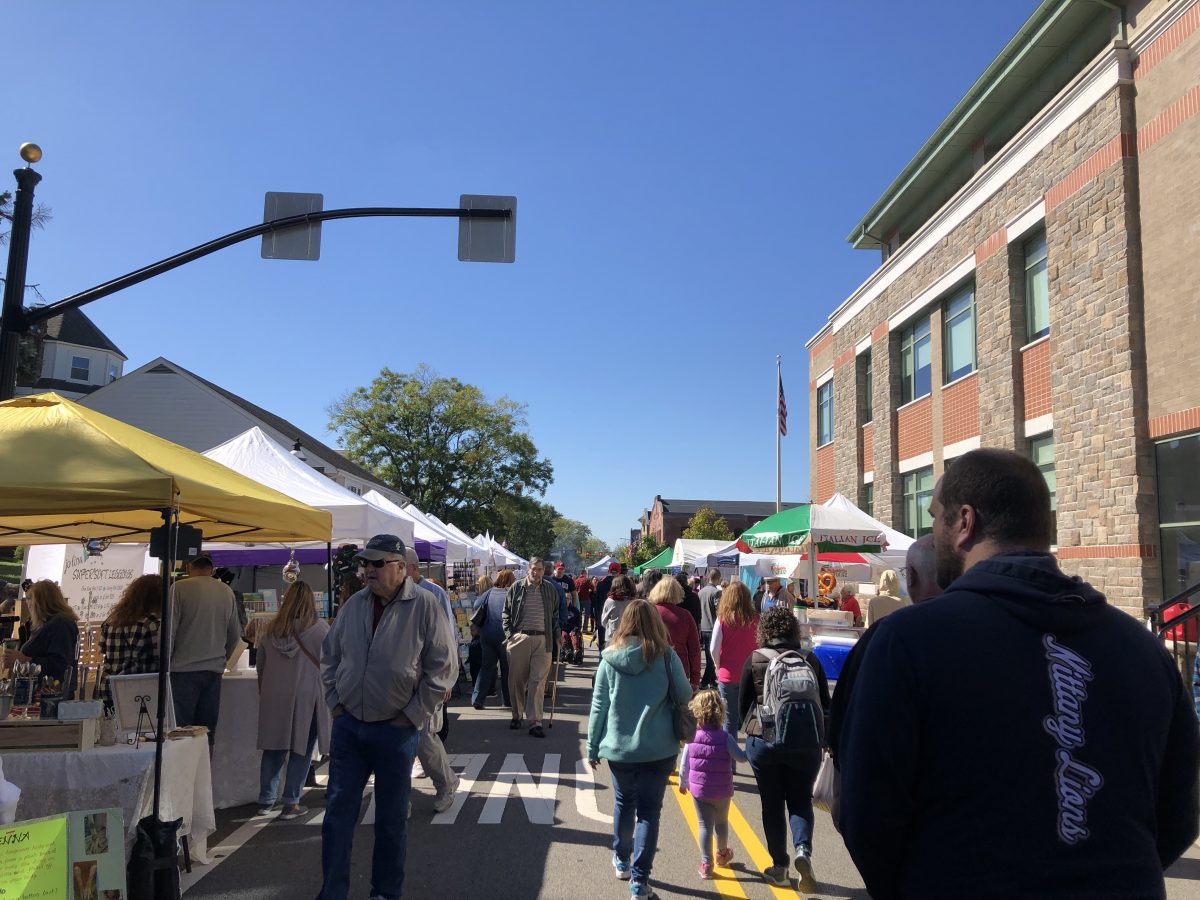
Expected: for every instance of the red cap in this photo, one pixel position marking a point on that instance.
(614, 568)
(560, 565)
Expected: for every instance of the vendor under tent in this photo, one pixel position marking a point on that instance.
(441, 548)
(70, 474)
(662, 561)
(600, 569)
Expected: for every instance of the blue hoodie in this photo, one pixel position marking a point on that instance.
(1018, 737)
(631, 716)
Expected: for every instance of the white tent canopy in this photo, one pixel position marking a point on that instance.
(261, 459)
(600, 569)
(686, 552)
(504, 556)
(455, 550)
(894, 556)
(473, 551)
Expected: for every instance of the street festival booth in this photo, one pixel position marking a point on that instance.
(69, 474)
(256, 456)
(600, 569)
(505, 558)
(687, 551)
(441, 548)
(813, 530)
(661, 561)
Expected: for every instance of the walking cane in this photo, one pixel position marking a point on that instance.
(553, 692)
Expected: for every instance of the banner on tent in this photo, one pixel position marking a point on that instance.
(93, 583)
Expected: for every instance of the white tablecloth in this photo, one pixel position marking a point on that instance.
(53, 783)
(236, 758)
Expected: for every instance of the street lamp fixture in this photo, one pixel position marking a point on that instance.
(298, 451)
(31, 152)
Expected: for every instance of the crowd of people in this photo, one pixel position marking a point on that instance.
(977, 721)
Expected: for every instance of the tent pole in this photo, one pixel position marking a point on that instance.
(166, 564)
(329, 574)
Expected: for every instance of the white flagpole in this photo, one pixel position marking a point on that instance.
(778, 438)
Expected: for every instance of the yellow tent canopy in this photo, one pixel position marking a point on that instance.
(68, 473)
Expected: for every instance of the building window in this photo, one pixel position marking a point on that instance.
(1037, 288)
(959, 334)
(81, 368)
(868, 498)
(916, 373)
(868, 387)
(1041, 449)
(825, 414)
(918, 491)
(1177, 462)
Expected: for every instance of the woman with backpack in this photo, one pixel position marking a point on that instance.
(639, 680)
(732, 641)
(785, 739)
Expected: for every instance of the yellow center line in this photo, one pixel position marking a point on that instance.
(726, 879)
(757, 852)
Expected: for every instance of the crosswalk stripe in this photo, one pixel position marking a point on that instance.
(585, 794)
(726, 879)
(757, 852)
(472, 765)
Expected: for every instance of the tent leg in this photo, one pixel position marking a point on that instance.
(166, 564)
(329, 577)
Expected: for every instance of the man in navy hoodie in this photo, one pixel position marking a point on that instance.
(1017, 736)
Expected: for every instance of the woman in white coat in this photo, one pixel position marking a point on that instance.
(292, 716)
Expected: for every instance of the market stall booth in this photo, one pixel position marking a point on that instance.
(71, 475)
(599, 568)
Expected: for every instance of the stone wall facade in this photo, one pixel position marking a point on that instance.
(1119, 201)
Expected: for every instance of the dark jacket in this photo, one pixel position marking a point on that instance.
(1018, 737)
(691, 602)
(755, 672)
(514, 605)
(52, 646)
(845, 690)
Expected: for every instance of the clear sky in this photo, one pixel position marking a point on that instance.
(686, 175)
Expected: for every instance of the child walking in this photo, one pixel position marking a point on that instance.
(707, 772)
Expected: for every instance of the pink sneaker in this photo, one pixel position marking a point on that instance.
(724, 858)
(706, 870)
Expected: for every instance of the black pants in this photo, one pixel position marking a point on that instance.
(709, 679)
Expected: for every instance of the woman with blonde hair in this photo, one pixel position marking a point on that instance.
(631, 725)
(292, 716)
(667, 597)
(129, 636)
(491, 639)
(54, 632)
(733, 641)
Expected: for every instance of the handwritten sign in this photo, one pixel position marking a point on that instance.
(93, 585)
(33, 859)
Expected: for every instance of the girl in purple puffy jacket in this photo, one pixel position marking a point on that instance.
(707, 772)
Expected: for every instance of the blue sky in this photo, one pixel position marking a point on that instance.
(686, 175)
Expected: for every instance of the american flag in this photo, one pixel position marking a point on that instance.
(782, 409)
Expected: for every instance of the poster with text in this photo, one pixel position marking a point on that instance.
(96, 852)
(92, 586)
(33, 859)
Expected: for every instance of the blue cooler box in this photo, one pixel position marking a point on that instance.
(832, 657)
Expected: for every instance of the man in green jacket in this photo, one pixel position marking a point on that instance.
(531, 631)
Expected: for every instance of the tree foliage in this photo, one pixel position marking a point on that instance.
(575, 545)
(706, 525)
(454, 452)
(635, 554)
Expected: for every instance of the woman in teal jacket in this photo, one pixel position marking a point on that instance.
(631, 726)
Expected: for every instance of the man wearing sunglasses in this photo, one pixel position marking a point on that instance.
(380, 701)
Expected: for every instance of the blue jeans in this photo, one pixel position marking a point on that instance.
(493, 652)
(357, 750)
(197, 698)
(785, 783)
(731, 692)
(297, 772)
(714, 822)
(638, 790)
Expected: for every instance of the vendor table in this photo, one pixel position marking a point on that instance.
(53, 783)
(236, 758)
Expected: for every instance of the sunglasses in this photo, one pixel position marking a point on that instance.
(376, 563)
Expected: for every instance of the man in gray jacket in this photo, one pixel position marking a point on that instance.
(385, 665)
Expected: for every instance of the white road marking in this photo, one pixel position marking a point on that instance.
(539, 798)
(585, 794)
(471, 764)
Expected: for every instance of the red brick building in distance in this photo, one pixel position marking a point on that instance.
(1038, 291)
(667, 519)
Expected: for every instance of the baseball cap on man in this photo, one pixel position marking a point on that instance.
(614, 568)
(380, 546)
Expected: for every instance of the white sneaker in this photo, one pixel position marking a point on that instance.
(418, 770)
(443, 801)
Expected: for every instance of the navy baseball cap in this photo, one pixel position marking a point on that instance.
(382, 545)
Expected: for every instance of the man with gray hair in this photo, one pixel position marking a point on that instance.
(920, 570)
(531, 631)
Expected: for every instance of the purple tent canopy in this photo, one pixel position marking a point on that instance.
(314, 556)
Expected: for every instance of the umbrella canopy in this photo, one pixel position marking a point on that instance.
(832, 530)
(662, 561)
(69, 473)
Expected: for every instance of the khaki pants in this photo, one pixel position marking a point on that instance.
(432, 754)
(528, 666)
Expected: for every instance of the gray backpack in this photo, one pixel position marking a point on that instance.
(790, 712)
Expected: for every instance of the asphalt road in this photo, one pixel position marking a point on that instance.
(531, 821)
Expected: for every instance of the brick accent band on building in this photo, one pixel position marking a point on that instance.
(1119, 147)
(993, 245)
(1109, 551)
(1167, 42)
(1169, 119)
(1175, 423)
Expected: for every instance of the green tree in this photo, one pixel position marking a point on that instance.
(645, 550)
(524, 525)
(706, 525)
(593, 549)
(444, 444)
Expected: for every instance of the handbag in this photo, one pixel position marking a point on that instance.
(683, 720)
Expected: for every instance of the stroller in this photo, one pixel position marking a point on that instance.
(572, 650)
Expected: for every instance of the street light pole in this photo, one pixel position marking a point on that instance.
(12, 317)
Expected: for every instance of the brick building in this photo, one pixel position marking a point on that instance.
(666, 519)
(1037, 291)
